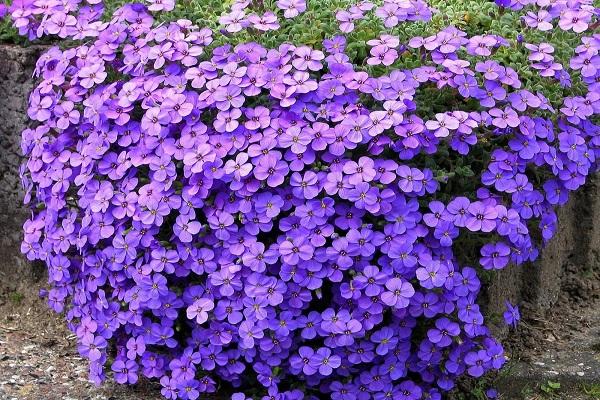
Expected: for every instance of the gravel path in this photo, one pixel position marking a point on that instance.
(560, 347)
(39, 360)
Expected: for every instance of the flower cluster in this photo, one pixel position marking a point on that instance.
(272, 221)
(573, 16)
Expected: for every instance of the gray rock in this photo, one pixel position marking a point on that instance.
(16, 68)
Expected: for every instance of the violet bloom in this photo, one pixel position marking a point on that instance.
(386, 341)
(361, 171)
(249, 333)
(512, 316)
(92, 347)
(291, 8)
(541, 21)
(307, 58)
(66, 114)
(476, 362)
(271, 170)
(410, 179)
(186, 229)
(228, 97)
(504, 118)
(199, 310)
(135, 347)
(266, 22)
(324, 361)
(305, 187)
(227, 121)
(302, 361)
(398, 294)
(61, 24)
(294, 250)
(432, 275)
(577, 20)
(481, 45)
(408, 390)
(444, 332)
(92, 75)
(161, 5)
(443, 124)
(481, 217)
(234, 21)
(125, 371)
(346, 21)
(495, 256)
(382, 55)
(239, 168)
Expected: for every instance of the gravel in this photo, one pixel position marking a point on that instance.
(39, 360)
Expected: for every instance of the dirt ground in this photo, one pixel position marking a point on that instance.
(555, 353)
(39, 360)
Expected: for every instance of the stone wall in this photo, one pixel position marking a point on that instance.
(538, 285)
(572, 252)
(16, 68)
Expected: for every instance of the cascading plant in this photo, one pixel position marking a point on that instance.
(295, 200)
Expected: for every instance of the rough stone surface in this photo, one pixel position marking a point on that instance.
(16, 67)
(573, 251)
(565, 350)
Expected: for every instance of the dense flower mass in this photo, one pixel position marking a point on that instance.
(276, 221)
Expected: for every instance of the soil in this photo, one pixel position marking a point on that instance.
(557, 346)
(39, 359)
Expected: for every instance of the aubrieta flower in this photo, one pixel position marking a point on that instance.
(512, 315)
(291, 8)
(257, 214)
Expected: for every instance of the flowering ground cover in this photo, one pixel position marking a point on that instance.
(230, 202)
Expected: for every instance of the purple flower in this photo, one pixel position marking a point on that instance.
(294, 250)
(161, 5)
(324, 361)
(476, 362)
(495, 255)
(398, 293)
(481, 217)
(291, 8)
(443, 332)
(199, 310)
(443, 124)
(303, 361)
(307, 58)
(214, 213)
(432, 275)
(92, 347)
(504, 118)
(271, 170)
(511, 315)
(574, 20)
(125, 371)
(234, 21)
(382, 54)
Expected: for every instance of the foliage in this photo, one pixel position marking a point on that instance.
(297, 200)
(550, 388)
